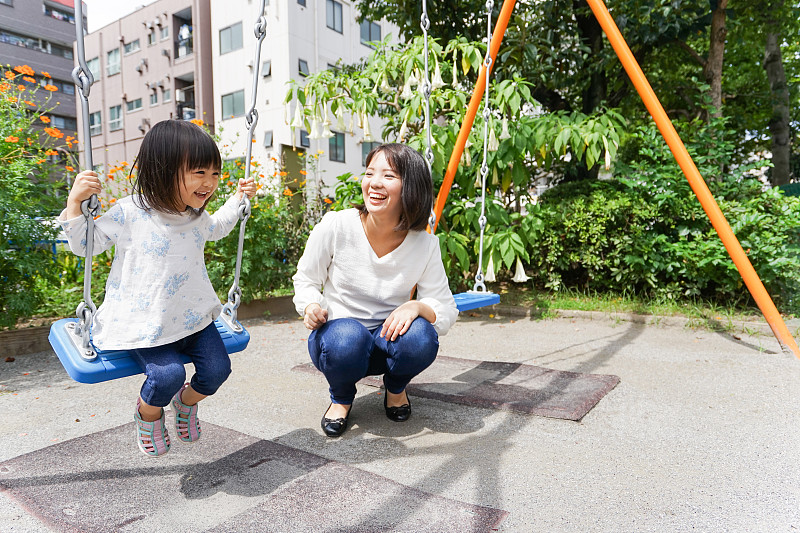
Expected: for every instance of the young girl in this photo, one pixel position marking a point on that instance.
(159, 301)
(369, 260)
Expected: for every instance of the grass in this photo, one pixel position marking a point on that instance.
(545, 304)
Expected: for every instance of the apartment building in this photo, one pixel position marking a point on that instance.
(302, 37)
(151, 65)
(40, 34)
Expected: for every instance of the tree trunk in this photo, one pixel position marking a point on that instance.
(779, 99)
(716, 50)
(591, 34)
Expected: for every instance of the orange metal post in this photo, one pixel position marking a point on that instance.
(472, 110)
(746, 270)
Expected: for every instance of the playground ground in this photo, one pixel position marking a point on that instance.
(701, 433)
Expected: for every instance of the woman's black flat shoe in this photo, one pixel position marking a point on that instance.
(397, 414)
(334, 427)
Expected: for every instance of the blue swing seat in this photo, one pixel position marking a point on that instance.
(474, 299)
(115, 364)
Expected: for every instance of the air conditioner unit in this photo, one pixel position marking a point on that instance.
(149, 25)
(158, 21)
(124, 96)
(161, 83)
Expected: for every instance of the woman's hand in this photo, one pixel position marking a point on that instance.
(246, 186)
(315, 316)
(400, 320)
(85, 185)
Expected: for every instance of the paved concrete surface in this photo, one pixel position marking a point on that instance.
(701, 434)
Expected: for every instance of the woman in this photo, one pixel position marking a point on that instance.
(354, 281)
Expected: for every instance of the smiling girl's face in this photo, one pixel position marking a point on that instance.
(382, 188)
(197, 186)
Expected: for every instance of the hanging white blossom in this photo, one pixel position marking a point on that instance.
(403, 129)
(326, 130)
(489, 277)
(407, 93)
(314, 133)
(504, 133)
(367, 132)
(340, 118)
(519, 275)
(351, 126)
(494, 144)
(437, 82)
(298, 116)
(466, 158)
(385, 87)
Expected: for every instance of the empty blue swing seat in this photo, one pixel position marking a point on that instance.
(115, 364)
(474, 299)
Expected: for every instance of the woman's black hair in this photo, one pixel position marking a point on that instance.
(417, 191)
(170, 148)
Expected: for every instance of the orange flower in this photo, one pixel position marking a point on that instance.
(197, 122)
(287, 192)
(303, 172)
(29, 79)
(39, 162)
(28, 102)
(25, 69)
(113, 200)
(4, 87)
(51, 152)
(46, 74)
(254, 140)
(20, 87)
(10, 75)
(50, 88)
(45, 119)
(11, 139)
(70, 169)
(283, 173)
(327, 200)
(54, 132)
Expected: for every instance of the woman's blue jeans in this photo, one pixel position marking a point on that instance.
(166, 374)
(345, 351)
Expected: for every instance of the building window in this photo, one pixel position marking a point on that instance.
(302, 67)
(166, 96)
(38, 44)
(302, 2)
(266, 68)
(7, 2)
(115, 118)
(370, 32)
(153, 98)
(94, 67)
(333, 12)
(336, 147)
(268, 139)
(151, 36)
(131, 47)
(304, 141)
(53, 12)
(233, 104)
(366, 148)
(133, 105)
(112, 62)
(63, 123)
(95, 123)
(230, 38)
(165, 32)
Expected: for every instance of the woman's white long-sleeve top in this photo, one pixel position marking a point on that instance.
(341, 272)
(158, 289)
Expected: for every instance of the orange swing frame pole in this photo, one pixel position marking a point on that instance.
(686, 163)
(472, 110)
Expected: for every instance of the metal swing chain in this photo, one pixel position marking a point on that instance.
(425, 88)
(83, 79)
(229, 310)
(487, 63)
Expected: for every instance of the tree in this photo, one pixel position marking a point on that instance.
(779, 125)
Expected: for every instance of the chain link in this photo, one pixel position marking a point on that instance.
(251, 120)
(479, 285)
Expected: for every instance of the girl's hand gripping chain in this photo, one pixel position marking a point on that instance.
(246, 186)
(86, 184)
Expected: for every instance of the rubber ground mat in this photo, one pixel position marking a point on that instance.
(225, 482)
(510, 386)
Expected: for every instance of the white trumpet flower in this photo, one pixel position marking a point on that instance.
(314, 133)
(504, 133)
(437, 82)
(489, 277)
(367, 132)
(340, 118)
(494, 144)
(385, 87)
(466, 158)
(298, 116)
(519, 275)
(350, 127)
(326, 130)
(407, 93)
(403, 130)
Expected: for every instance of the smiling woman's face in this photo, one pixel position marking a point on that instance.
(382, 189)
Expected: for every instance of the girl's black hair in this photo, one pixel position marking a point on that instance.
(417, 191)
(170, 148)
